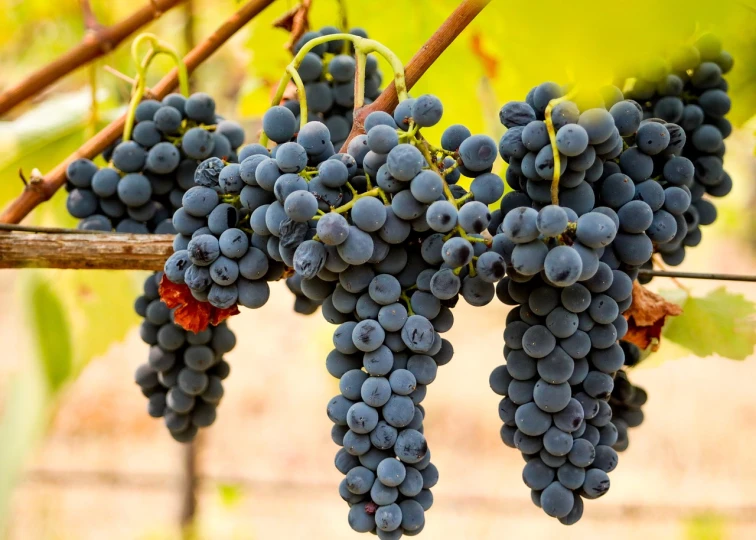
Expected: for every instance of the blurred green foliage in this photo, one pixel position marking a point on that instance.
(705, 526)
(50, 325)
(720, 323)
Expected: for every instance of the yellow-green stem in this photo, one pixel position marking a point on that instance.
(423, 147)
(362, 47)
(301, 94)
(407, 301)
(359, 80)
(552, 138)
(156, 47)
(163, 47)
(375, 192)
(137, 94)
(464, 198)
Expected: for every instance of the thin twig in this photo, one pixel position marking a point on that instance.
(30, 198)
(419, 64)
(148, 93)
(94, 45)
(696, 275)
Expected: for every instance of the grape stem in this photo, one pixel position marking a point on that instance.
(156, 47)
(375, 192)
(463, 199)
(407, 301)
(359, 80)
(362, 47)
(554, 150)
(301, 95)
(424, 148)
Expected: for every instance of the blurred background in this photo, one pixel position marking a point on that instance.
(80, 458)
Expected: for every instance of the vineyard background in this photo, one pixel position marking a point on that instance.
(81, 460)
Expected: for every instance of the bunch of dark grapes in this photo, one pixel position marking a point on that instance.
(690, 90)
(215, 255)
(328, 74)
(138, 193)
(570, 271)
(183, 376)
(147, 176)
(385, 241)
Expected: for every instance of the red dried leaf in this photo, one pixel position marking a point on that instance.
(646, 317)
(173, 295)
(192, 315)
(217, 316)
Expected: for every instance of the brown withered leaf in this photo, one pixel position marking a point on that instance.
(296, 22)
(646, 317)
(191, 314)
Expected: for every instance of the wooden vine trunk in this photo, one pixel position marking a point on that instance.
(85, 251)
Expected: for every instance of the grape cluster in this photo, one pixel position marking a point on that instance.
(182, 378)
(622, 192)
(386, 242)
(327, 72)
(215, 256)
(690, 90)
(147, 176)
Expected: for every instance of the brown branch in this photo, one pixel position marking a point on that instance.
(42, 191)
(419, 64)
(85, 251)
(90, 20)
(148, 94)
(97, 42)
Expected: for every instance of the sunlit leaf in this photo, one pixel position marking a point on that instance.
(21, 427)
(51, 333)
(230, 494)
(705, 526)
(720, 323)
(100, 304)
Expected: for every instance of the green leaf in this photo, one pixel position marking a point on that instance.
(720, 323)
(230, 494)
(52, 335)
(25, 413)
(100, 308)
(705, 526)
